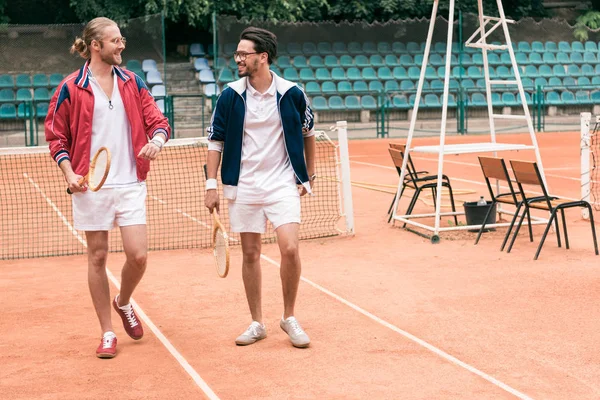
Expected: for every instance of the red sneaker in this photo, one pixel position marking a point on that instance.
(108, 347)
(131, 323)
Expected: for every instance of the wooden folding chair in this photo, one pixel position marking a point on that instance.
(417, 181)
(495, 168)
(527, 173)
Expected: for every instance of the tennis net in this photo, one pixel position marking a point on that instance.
(590, 161)
(36, 215)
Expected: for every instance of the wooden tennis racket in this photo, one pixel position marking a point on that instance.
(220, 242)
(99, 168)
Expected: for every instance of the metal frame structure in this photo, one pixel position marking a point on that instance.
(477, 40)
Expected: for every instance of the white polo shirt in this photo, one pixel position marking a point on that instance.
(111, 128)
(266, 173)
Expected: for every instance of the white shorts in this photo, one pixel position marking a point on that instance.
(110, 207)
(253, 217)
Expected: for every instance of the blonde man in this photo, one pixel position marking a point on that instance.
(263, 128)
(99, 105)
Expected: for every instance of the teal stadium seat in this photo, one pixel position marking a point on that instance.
(525, 47)
(352, 103)
(294, 49)
(537, 47)
(354, 48)
(584, 81)
(549, 58)
(360, 86)
(339, 48)
(324, 48)
(432, 100)
(567, 97)
(8, 111)
(300, 62)
(551, 46)
(559, 70)
(399, 73)
(41, 110)
(196, 50)
(587, 70)
(346, 61)
(577, 58)
(465, 60)
(41, 94)
(406, 60)
(536, 59)
(407, 85)
(553, 98)
(377, 61)
(361, 61)
(368, 102)
(473, 72)
(555, 82)
(436, 60)
(414, 73)
(226, 76)
(291, 74)
(336, 103)
(322, 74)
(590, 58)
(134, 64)
(319, 103)
(573, 70)
(564, 46)
(478, 100)
(307, 74)
(329, 87)
(505, 59)
(439, 47)
(283, 62)
(384, 48)
(591, 46)
(369, 48)
(494, 59)
(413, 48)
(331, 61)
(23, 81)
(583, 97)
(527, 82)
(470, 84)
(309, 48)
(344, 87)
(545, 71)
(6, 81)
(400, 101)
(7, 95)
(569, 82)
(509, 99)
(477, 59)
(391, 86)
(316, 62)
(577, 46)
(338, 74)
(531, 71)
(398, 47)
(24, 95)
(221, 62)
(375, 86)
(391, 60)
(40, 80)
(25, 110)
(595, 97)
(353, 74)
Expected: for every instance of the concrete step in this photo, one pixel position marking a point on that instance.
(179, 66)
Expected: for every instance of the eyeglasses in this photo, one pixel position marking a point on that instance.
(118, 40)
(242, 54)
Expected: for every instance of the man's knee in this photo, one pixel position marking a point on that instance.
(138, 260)
(251, 254)
(97, 258)
(289, 250)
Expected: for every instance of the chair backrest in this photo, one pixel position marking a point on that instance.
(527, 173)
(495, 168)
(410, 168)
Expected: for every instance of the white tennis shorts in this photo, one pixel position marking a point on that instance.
(110, 207)
(253, 217)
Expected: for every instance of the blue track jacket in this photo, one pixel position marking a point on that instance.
(227, 126)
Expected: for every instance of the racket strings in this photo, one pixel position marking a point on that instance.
(220, 251)
(98, 170)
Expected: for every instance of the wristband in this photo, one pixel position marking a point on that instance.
(211, 184)
(158, 140)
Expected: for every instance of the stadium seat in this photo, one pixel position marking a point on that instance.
(322, 74)
(541, 81)
(551, 46)
(577, 46)
(587, 70)
(40, 80)
(309, 48)
(478, 100)
(6, 81)
(307, 74)
(134, 64)
(354, 48)
(331, 61)
(391, 60)
(569, 82)
(211, 51)
(316, 62)
(41, 110)
(369, 48)
(400, 101)
(206, 76)
(291, 74)
(505, 59)
(399, 73)
(545, 71)
(414, 73)
(555, 82)
(8, 111)
(229, 49)
(221, 62)
(564, 46)
(477, 59)
(196, 50)
(406, 60)
(589, 57)
(23, 81)
(553, 98)
(398, 47)
(24, 110)
(369, 74)
(24, 95)
(407, 85)
(360, 86)
(200, 64)
(573, 70)
(465, 60)
(384, 48)
(549, 58)
(527, 82)
(324, 48)
(159, 91)
(494, 59)
(591, 46)
(377, 61)
(300, 62)
(354, 74)
(391, 86)
(567, 97)
(524, 47)
(413, 48)
(536, 59)
(283, 62)
(509, 99)
(154, 78)
(436, 60)
(432, 100)
(339, 48)
(368, 102)
(352, 103)
(319, 103)
(338, 74)
(41, 94)
(336, 103)
(6, 95)
(148, 65)
(583, 81)
(294, 49)
(330, 87)
(273, 68)
(226, 76)
(361, 61)
(582, 97)
(595, 97)
(375, 86)
(577, 58)
(343, 87)
(312, 88)
(211, 89)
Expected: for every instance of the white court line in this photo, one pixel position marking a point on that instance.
(411, 337)
(182, 361)
(407, 335)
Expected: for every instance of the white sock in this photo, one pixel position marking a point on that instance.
(109, 333)
(125, 307)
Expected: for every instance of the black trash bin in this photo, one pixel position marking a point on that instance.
(475, 214)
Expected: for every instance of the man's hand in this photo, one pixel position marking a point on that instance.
(73, 182)
(303, 190)
(211, 200)
(149, 151)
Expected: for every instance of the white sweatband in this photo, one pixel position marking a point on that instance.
(211, 184)
(216, 146)
(158, 140)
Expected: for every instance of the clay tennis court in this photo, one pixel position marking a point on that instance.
(389, 314)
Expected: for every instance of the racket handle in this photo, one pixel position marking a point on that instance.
(81, 181)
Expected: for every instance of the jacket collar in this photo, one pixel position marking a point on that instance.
(281, 84)
(83, 78)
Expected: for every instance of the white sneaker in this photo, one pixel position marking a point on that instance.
(297, 335)
(255, 332)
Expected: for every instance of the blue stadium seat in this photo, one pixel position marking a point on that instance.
(567, 97)
(352, 103)
(470, 84)
(509, 99)
(553, 98)
(437, 85)
(384, 48)
(595, 97)
(559, 70)
(360, 86)
(577, 58)
(8, 111)
(23, 81)
(336, 103)
(505, 59)
(300, 62)
(522, 58)
(583, 81)
(465, 60)
(369, 48)
(400, 101)
(200, 64)
(524, 47)
(324, 48)
(338, 74)
(309, 48)
(322, 74)
(400, 73)
(376, 61)
(346, 61)
(153, 78)
(307, 74)
(459, 71)
(551, 46)
(591, 46)
(6, 81)
(196, 50)
(211, 89)
(294, 49)
(564, 46)
(353, 74)
(41, 94)
(583, 97)
(375, 86)
(537, 47)
(149, 64)
(368, 102)
(503, 72)
(344, 87)
(206, 76)
(319, 103)
(331, 61)
(339, 48)
(398, 47)
(496, 100)
(55, 79)
(330, 87)
(391, 60)
(536, 59)
(391, 86)
(361, 61)
(291, 74)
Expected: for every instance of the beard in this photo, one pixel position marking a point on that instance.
(111, 58)
(248, 69)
